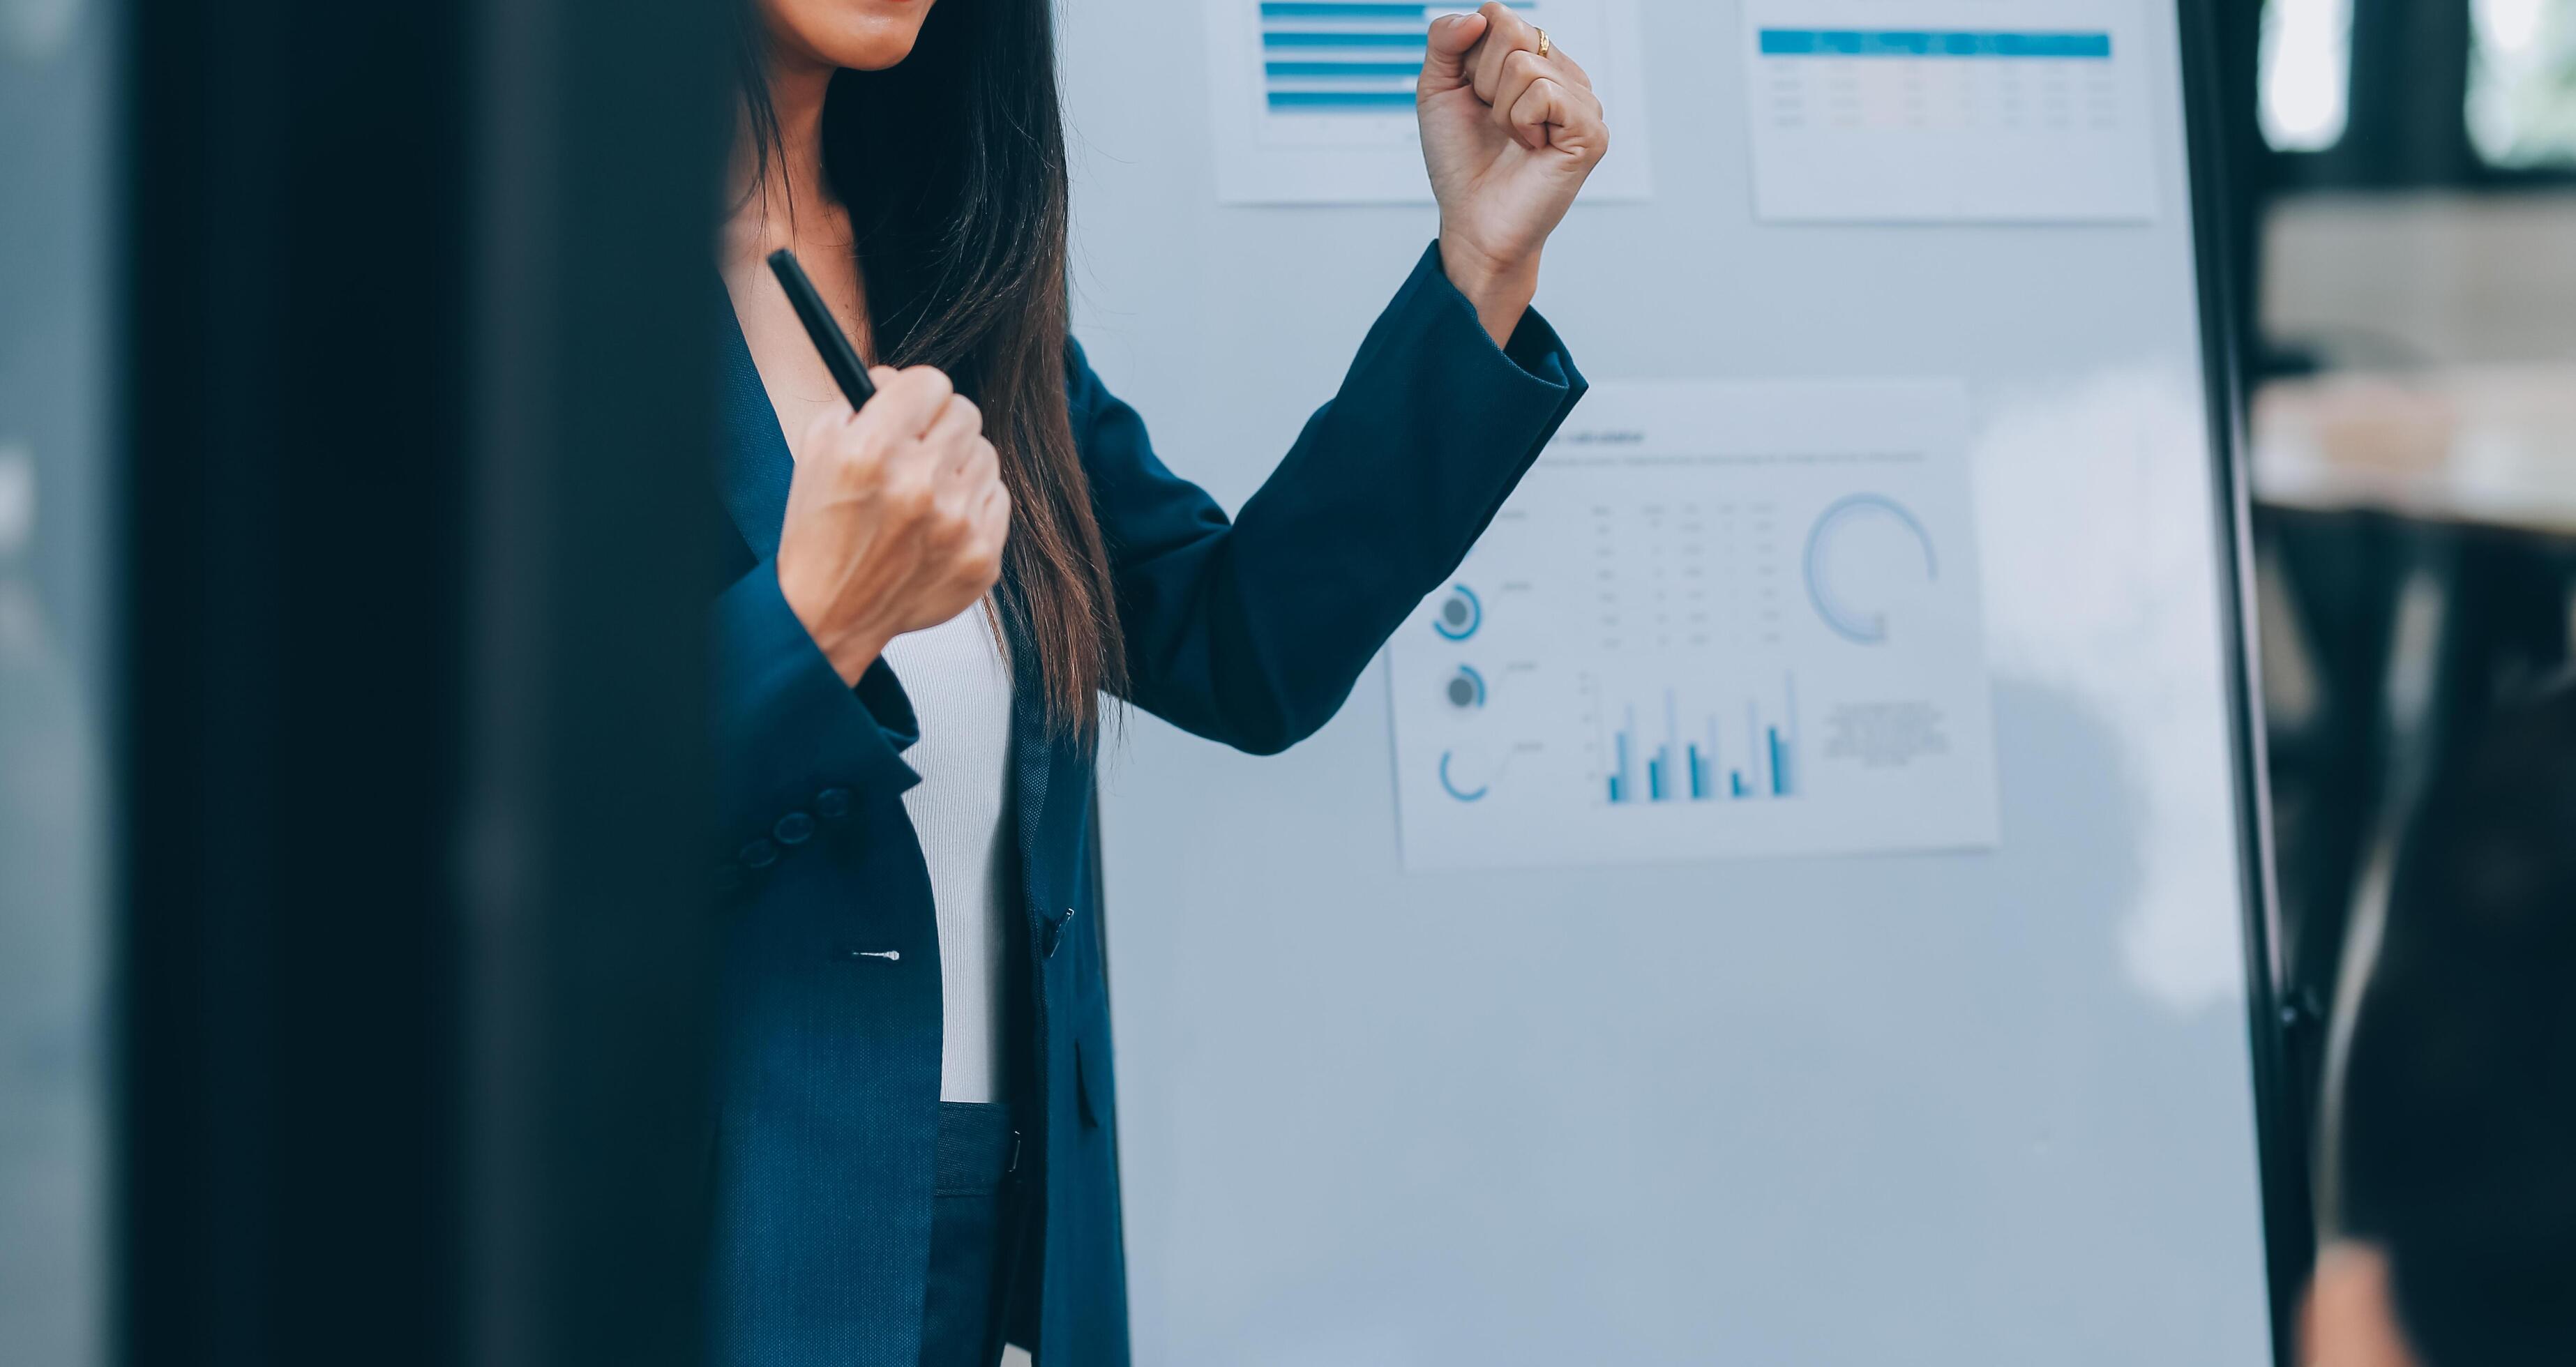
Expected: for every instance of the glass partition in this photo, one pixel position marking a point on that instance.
(57, 63)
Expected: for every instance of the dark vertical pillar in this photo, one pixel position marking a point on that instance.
(415, 972)
(592, 951)
(2410, 74)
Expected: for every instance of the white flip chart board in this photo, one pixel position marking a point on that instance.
(1788, 901)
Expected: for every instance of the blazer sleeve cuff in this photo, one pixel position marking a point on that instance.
(1510, 398)
(1546, 368)
(791, 738)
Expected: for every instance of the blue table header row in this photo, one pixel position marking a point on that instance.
(1810, 42)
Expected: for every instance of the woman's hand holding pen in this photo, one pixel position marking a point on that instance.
(895, 517)
(1509, 133)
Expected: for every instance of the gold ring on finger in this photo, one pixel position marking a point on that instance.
(1544, 46)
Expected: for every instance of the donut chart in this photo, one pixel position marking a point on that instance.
(1465, 690)
(1463, 792)
(1858, 611)
(1459, 614)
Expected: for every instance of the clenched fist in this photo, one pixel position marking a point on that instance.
(1510, 131)
(895, 518)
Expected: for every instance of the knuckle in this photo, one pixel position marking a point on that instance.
(911, 498)
(961, 409)
(856, 452)
(862, 467)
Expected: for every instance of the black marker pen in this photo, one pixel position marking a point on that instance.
(839, 356)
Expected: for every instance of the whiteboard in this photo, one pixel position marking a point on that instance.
(1844, 1009)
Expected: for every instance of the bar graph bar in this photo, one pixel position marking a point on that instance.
(1365, 40)
(1339, 9)
(1784, 769)
(1623, 780)
(1384, 69)
(1329, 100)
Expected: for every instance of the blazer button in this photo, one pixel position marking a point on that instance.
(832, 802)
(795, 828)
(759, 854)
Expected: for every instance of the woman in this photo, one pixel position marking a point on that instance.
(916, 1152)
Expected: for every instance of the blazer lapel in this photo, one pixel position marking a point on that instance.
(755, 466)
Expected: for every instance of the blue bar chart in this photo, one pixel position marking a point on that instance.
(1345, 57)
(1314, 100)
(1706, 760)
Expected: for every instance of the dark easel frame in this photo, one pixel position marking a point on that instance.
(2214, 107)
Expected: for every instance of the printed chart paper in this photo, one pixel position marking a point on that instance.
(1949, 111)
(1313, 99)
(1716, 621)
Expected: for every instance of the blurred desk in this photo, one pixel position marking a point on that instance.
(2491, 446)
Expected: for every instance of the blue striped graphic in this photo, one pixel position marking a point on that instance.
(1358, 44)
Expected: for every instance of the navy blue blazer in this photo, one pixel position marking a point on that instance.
(1249, 632)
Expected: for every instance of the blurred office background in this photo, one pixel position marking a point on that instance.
(2406, 236)
(2409, 247)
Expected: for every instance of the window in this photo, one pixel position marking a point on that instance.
(2306, 68)
(2522, 82)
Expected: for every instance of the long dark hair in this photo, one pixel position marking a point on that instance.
(952, 167)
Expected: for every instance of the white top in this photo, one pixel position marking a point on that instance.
(960, 686)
